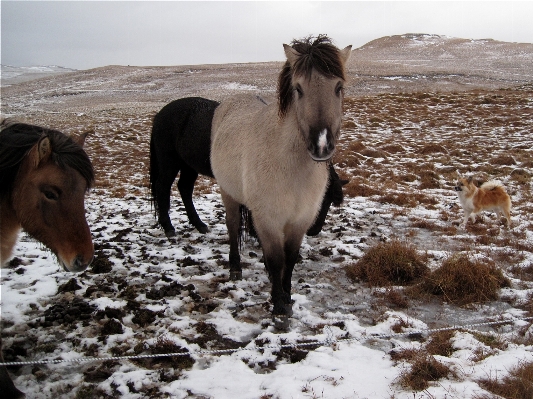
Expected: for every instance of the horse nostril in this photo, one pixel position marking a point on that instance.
(80, 263)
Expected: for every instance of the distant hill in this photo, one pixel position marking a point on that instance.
(401, 63)
(15, 74)
(444, 57)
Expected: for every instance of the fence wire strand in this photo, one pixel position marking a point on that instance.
(330, 340)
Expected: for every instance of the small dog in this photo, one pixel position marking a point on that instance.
(490, 196)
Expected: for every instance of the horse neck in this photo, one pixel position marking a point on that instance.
(290, 134)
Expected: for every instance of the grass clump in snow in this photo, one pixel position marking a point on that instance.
(389, 263)
(462, 280)
(517, 385)
(425, 368)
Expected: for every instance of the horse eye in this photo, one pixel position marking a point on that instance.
(51, 195)
(299, 91)
(339, 89)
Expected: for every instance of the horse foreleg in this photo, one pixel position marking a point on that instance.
(233, 221)
(293, 242)
(275, 263)
(186, 182)
(8, 389)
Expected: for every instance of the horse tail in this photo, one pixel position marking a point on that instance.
(246, 225)
(154, 172)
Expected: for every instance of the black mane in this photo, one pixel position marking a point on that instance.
(16, 140)
(315, 53)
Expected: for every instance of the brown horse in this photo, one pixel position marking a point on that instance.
(271, 158)
(44, 176)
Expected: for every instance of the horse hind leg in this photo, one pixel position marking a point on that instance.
(233, 222)
(186, 182)
(162, 189)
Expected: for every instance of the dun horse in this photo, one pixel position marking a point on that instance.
(44, 176)
(271, 158)
(180, 143)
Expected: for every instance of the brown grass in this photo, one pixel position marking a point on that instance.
(389, 263)
(441, 344)
(357, 189)
(517, 385)
(393, 148)
(432, 148)
(462, 280)
(425, 368)
(503, 159)
(393, 298)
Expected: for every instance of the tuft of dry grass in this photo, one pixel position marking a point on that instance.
(425, 368)
(441, 344)
(517, 385)
(394, 298)
(357, 189)
(432, 148)
(462, 280)
(393, 148)
(389, 263)
(503, 159)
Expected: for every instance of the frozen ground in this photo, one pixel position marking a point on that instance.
(146, 295)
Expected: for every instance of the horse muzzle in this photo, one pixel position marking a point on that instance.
(78, 264)
(322, 148)
(457, 188)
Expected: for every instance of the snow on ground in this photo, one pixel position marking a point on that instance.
(145, 294)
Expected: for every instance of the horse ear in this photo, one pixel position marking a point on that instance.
(345, 53)
(41, 151)
(344, 182)
(80, 139)
(291, 54)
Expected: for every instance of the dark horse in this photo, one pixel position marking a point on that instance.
(44, 176)
(180, 142)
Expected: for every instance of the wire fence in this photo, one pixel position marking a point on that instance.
(328, 341)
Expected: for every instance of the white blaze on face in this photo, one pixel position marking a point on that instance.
(322, 141)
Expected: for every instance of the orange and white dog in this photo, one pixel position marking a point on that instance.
(490, 196)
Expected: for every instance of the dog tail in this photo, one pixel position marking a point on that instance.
(491, 185)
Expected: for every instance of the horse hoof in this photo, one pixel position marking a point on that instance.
(235, 275)
(281, 321)
(288, 309)
(170, 233)
(202, 228)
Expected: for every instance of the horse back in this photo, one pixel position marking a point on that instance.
(182, 132)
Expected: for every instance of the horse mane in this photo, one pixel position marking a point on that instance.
(314, 53)
(16, 140)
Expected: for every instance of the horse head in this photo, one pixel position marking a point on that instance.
(312, 85)
(48, 198)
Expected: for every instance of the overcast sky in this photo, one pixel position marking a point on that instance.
(87, 34)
